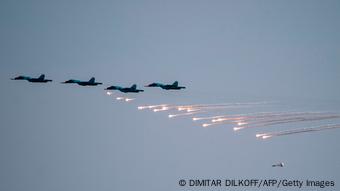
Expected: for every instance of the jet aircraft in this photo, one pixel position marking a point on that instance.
(91, 82)
(173, 86)
(132, 89)
(40, 79)
(281, 164)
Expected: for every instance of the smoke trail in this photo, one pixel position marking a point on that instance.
(266, 119)
(287, 120)
(254, 116)
(183, 114)
(205, 118)
(297, 131)
(197, 107)
(239, 119)
(214, 122)
(151, 106)
(274, 116)
(163, 108)
(219, 105)
(220, 118)
(279, 116)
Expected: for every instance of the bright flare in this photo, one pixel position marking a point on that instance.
(141, 107)
(151, 106)
(205, 118)
(266, 136)
(206, 124)
(191, 110)
(260, 135)
(241, 123)
(237, 128)
(219, 120)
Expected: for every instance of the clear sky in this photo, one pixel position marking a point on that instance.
(60, 137)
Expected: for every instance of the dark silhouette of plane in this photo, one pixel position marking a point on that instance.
(173, 86)
(281, 164)
(40, 79)
(91, 82)
(132, 89)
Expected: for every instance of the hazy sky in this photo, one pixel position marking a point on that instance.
(61, 137)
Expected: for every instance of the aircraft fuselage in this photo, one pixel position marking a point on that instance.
(128, 90)
(171, 87)
(38, 80)
(88, 83)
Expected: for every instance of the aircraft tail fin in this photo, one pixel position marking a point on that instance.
(92, 80)
(134, 86)
(41, 77)
(175, 83)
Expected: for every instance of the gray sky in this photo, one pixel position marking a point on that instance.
(59, 137)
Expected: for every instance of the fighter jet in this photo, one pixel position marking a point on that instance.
(91, 82)
(173, 86)
(132, 89)
(40, 79)
(281, 164)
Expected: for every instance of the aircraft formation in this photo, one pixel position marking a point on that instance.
(92, 82)
(200, 111)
